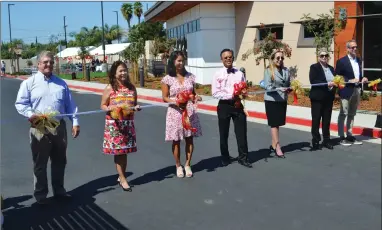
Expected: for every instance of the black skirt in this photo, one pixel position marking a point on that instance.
(276, 112)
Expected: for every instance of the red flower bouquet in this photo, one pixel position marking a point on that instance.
(240, 93)
(182, 99)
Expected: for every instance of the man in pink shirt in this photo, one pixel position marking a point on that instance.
(222, 89)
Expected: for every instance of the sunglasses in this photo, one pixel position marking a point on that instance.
(278, 58)
(353, 47)
(324, 55)
(46, 62)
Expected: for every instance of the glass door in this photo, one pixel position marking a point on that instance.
(372, 40)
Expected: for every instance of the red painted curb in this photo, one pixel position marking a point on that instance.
(369, 132)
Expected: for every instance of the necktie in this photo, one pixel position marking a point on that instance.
(230, 71)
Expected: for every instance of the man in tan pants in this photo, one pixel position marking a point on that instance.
(350, 68)
(41, 93)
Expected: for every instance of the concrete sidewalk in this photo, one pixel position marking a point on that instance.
(363, 125)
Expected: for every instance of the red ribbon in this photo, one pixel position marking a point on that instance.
(183, 98)
(120, 113)
(295, 98)
(375, 87)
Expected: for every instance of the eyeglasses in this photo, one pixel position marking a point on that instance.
(278, 58)
(353, 47)
(324, 55)
(46, 62)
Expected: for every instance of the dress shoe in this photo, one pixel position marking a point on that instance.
(315, 146)
(225, 161)
(245, 163)
(63, 197)
(42, 202)
(327, 145)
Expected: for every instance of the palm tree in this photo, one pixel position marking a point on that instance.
(127, 12)
(112, 33)
(138, 10)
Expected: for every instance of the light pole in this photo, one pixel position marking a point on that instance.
(117, 25)
(103, 37)
(10, 34)
(66, 41)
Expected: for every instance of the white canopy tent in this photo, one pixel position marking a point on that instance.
(110, 49)
(72, 51)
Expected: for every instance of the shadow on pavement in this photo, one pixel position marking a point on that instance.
(79, 213)
(210, 164)
(300, 146)
(159, 175)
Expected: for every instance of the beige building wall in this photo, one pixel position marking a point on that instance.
(303, 50)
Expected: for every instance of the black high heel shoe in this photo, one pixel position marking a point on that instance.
(124, 189)
(274, 150)
(271, 150)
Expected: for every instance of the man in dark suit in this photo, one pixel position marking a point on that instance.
(350, 68)
(321, 98)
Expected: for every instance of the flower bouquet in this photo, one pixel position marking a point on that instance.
(374, 84)
(122, 109)
(240, 92)
(339, 81)
(45, 123)
(182, 99)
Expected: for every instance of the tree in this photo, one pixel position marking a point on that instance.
(325, 28)
(263, 49)
(165, 46)
(133, 53)
(127, 12)
(138, 10)
(145, 31)
(112, 33)
(83, 53)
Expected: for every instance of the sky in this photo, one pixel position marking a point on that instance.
(42, 19)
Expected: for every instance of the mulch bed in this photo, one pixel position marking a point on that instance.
(369, 101)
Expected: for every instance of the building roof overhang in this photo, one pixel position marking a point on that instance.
(163, 11)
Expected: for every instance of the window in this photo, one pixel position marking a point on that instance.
(310, 34)
(185, 28)
(190, 27)
(197, 24)
(278, 30)
(194, 26)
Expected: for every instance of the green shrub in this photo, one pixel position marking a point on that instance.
(365, 96)
(306, 92)
(206, 91)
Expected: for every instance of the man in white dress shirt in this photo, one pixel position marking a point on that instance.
(44, 92)
(350, 68)
(223, 88)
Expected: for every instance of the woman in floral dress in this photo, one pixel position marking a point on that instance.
(119, 100)
(177, 81)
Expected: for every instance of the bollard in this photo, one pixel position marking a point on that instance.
(87, 73)
(141, 77)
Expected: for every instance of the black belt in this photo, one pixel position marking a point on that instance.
(227, 102)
